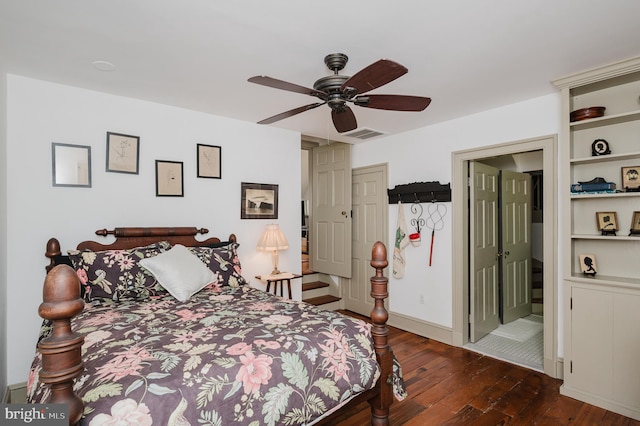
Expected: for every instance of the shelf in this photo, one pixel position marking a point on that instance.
(604, 237)
(606, 158)
(605, 120)
(575, 196)
(606, 280)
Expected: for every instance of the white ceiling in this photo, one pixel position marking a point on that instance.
(467, 55)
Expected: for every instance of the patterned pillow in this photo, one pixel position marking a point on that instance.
(116, 274)
(224, 263)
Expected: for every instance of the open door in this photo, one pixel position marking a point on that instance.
(515, 208)
(331, 219)
(369, 195)
(484, 278)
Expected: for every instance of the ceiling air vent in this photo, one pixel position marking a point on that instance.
(363, 133)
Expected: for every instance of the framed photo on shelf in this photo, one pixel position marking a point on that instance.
(607, 222)
(258, 201)
(630, 178)
(588, 264)
(71, 165)
(169, 179)
(635, 224)
(123, 153)
(209, 159)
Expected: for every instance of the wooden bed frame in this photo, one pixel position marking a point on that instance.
(61, 351)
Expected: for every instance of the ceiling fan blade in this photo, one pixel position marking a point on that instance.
(344, 120)
(375, 75)
(290, 113)
(393, 102)
(284, 85)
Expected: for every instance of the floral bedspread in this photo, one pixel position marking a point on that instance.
(228, 355)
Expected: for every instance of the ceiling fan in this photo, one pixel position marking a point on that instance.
(336, 90)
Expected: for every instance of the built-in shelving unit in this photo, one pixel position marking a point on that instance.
(601, 311)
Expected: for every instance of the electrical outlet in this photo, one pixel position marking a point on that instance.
(422, 299)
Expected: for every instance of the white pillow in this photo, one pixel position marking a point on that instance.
(179, 271)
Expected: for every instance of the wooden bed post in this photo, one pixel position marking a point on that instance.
(62, 350)
(380, 404)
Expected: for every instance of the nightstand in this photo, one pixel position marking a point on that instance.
(279, 280)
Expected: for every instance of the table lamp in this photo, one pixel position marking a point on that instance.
(272, 239)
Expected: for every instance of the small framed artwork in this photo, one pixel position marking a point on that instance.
(588, 264)
(630, 178)
(209, 159)
(607, 222)
(123, 152)
(71, 165)
(635, 224)
(258, 201)
(169, 179)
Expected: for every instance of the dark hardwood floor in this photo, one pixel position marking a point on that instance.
(453, 386)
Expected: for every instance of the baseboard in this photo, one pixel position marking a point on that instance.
(421, 327)
(599, 401)
(15, 394)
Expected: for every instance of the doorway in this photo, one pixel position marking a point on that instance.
(501, 254)
(461, 298)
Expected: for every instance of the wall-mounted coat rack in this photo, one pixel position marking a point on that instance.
(422, 192)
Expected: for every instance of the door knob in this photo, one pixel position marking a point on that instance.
(498, 254)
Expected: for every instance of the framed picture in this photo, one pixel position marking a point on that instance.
(169, 179)
(635, 224)
(71, 165)
(209, 159)
(258, 201)
(588, 264)
(123, 152)
(630, 178)
(607, 221)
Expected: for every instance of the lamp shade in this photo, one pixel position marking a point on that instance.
(272, 239)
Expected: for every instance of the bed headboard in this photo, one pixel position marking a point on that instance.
(127, 238)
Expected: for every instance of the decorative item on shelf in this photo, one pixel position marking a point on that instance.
(635, 224)
(600, 147)
(630, 179)
(607, 222)
(272, 239)
(585, 113)
(597, 184)
(588, 264)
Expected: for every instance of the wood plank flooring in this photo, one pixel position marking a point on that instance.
(454, 386)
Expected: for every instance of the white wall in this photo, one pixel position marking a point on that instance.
(39, 113)
(3, 230)
(425, 155)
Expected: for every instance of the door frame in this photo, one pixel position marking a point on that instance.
(460, 244)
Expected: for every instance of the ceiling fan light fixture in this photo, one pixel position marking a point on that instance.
(336, 90)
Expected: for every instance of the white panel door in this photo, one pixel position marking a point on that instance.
(484, 278)
(515, 208)
(369, 218)
(331, 219)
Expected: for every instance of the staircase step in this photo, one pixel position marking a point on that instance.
(322, 300)
(314, 285)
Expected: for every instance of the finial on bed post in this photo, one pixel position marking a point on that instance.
(53, 250)
(379, 316)
(62, 350)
